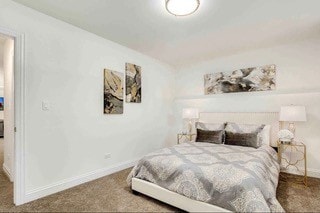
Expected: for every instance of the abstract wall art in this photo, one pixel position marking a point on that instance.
(243, 80)
(113, 92)
(133, 83)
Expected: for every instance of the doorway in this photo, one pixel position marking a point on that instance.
(7, 117)
(18, 95)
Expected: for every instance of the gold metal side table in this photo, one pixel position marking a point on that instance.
(186, 136)
(299, 150)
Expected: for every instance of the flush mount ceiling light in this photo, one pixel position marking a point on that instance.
(182, 7)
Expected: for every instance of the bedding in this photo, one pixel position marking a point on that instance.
(216, 137)
(242, 179)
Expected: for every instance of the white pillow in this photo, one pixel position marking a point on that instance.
(265, 135)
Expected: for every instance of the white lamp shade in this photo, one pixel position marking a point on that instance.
(293, 113)
(190, 113)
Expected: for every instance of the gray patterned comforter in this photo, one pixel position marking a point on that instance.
(236, 178)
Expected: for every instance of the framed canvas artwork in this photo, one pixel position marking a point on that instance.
(113, 92)
(243, 80)
(1, 103)
(133, 83)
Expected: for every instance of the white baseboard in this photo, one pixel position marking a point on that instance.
(310, 172)
(7, 172)
(72, 182)
(314, 173)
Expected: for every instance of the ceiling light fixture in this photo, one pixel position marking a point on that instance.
(182, 7)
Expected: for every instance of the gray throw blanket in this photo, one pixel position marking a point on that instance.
(242, 179)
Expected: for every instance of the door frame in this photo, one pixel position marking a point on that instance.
(19, 189)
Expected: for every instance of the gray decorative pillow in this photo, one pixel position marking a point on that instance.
(207, 136)
(210, 126)
(242, 139)
(246, 128)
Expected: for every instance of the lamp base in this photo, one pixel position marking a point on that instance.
(189, 127)
(292, 128)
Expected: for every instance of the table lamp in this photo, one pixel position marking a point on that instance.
(293, 114)
(190, 114)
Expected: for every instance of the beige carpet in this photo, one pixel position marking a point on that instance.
(6, 187)
(111, 193)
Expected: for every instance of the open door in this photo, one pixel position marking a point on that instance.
(8, 62)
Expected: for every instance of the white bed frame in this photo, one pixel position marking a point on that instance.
(172, 198)
(187, 204)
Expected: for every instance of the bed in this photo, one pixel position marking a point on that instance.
(213, 177)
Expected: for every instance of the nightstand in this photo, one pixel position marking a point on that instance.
(186, 136)
(295, 156)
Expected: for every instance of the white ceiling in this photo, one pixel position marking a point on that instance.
(219, 27)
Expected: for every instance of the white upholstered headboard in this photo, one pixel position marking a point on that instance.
(268, 118)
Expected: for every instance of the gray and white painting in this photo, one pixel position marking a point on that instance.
(243, 80)
(133, 83)
(113, 92)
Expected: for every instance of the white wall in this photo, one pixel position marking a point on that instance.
(64, 66)
(298, 77)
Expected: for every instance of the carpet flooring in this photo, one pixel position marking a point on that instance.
(111, 193)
